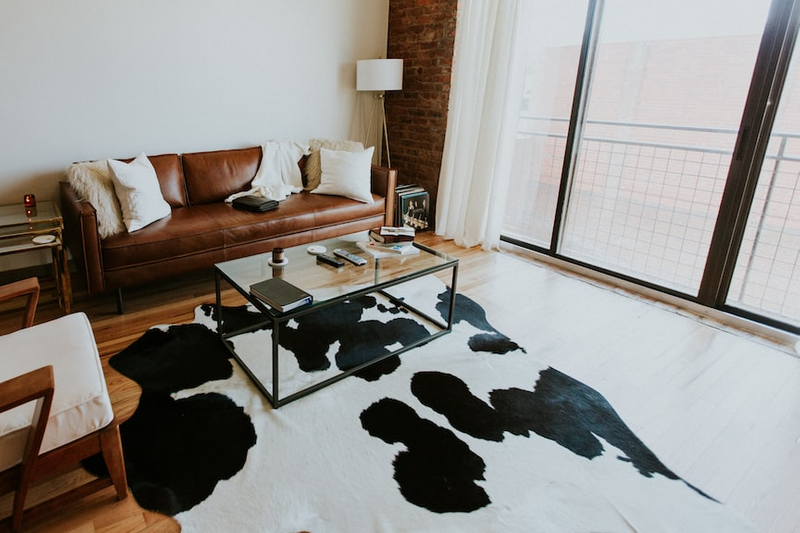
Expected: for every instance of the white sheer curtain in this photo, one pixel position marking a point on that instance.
(485, 98)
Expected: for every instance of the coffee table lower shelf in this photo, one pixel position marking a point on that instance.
(278, 321)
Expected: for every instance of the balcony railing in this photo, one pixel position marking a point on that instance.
(645, 199)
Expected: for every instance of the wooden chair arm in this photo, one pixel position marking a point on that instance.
(34, 386)
(27, 287)
(28, 387)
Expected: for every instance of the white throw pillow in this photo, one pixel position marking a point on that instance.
(138, 191)
(347, 174)
(313, 169)
(92, 182)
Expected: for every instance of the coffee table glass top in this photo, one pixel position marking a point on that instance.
(326, 282)
(328, 285)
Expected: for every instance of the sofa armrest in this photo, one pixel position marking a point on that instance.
(82, 237)
(384, 181)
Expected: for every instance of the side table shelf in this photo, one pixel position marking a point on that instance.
(19, 226)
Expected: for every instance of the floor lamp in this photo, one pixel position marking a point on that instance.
(379, 76)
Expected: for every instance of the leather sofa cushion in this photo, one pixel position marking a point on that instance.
(218, 226)
(170, 176)
(213, 176)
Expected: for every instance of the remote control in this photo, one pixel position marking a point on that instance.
(329, 260)
(353, 258)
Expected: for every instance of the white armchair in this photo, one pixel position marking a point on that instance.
(54, 405)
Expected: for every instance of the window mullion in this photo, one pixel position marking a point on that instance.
(577, 118)
(769, 73)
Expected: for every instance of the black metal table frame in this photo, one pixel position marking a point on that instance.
(277, 320)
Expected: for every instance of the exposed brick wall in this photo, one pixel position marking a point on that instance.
(422, 33)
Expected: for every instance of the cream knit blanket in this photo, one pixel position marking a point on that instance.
(278, 175)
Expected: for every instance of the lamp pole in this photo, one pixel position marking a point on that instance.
(379, 75)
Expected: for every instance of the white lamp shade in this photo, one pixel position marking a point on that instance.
(379, 75)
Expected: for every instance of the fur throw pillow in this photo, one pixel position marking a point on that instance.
(92, 182)
(313, 165)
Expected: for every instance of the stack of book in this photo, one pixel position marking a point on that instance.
(391, 234)
(387, 241)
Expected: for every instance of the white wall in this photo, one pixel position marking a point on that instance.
(88, 79)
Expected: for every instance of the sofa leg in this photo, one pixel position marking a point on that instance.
(120, 307)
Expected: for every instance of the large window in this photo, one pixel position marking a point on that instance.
(635, 118)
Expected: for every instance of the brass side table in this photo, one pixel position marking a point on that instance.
(25, 229)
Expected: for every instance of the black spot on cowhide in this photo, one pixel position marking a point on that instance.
(559, 408)
(196, 356)
(176, 451)
(450, 396)
(392, 309)
(234, 318)
(315, 333)
(437, 471)
(491, 341)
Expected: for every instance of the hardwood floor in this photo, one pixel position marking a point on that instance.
(719, 407)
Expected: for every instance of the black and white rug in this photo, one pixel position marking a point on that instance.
(469, 432)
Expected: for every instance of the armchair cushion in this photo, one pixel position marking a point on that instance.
(80, 404)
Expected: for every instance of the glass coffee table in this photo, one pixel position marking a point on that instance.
(329, 286)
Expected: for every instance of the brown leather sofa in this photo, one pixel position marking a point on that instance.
(203, 229)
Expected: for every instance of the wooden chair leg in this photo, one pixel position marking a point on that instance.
(111, 444)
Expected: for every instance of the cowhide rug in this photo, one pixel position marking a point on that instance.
(469, 432)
